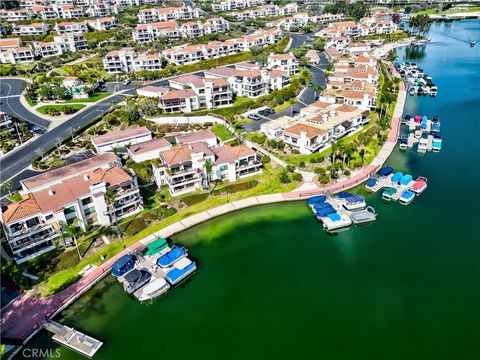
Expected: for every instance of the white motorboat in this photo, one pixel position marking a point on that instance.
(152, 290)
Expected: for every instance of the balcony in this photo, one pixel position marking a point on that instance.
(248, 165)
(34, 239)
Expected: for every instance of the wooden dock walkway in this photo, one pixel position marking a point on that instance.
(73, 339)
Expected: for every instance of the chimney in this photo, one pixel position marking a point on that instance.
(85, 177)
(51, 192)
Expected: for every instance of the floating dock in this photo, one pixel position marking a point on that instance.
(73, 339)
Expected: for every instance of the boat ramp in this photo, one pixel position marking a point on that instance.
(151, 272)
(73, 339)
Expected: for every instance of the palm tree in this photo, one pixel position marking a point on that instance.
(317, 87)
(334, 147)
(7, 186)
(362, 154)
(73, 231)
(208, 169)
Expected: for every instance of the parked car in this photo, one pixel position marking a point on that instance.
(254, 117)
(126, 82)
(310, 84)
(270, 111)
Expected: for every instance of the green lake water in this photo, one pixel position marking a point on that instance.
(272, 285)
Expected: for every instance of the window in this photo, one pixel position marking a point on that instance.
(89, 211)
(224, 168)
(70, 210)
(49, 217)
(87, 201)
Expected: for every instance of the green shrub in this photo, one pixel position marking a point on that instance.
(233, 188)
(302, 164)
(324, 179)
(265, 159)
(169, 212)
(134, 226)
(290, 168)
(283, 177)
(193, 199)
(297, 177)
(347, 172)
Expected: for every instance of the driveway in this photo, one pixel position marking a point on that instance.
(306, 98)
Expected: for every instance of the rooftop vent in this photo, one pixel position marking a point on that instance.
(51, 192)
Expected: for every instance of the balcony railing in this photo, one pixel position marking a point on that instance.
(18, 245)
(249, 164)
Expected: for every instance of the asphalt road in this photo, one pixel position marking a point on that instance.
(10, 91)
(14, 164)
(306, 98)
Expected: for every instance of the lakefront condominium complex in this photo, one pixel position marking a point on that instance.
(93, 191)
(173, 30)
(198, 158)
(265, 11)
(229, 5)
(214, 49)
(167, 14)
(13, 52)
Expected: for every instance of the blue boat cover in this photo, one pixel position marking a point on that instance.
(435, 127)
(372, 182)
(407, 194)
(387, 170)
(334, 216)
(344, 195)
(423, 125)
(397, 176)
(408, 117)
(325, 211)
(176, 275)
(354, 199)
(316, 200)
(321, 206)
(437, 136)
(424, 118)
(406, 179)
(170, 257)
(122, 265)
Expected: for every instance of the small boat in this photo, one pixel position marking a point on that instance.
(388, 193)
(406, 179)
(406, 197)
(335, 221)
(152, 290)
(156, 247)
(354, 202)
(315, 200)
(407, 118)
(180, 271)
(437, 143)
(172, 256)
(403, 143)
(422, 145)
(433, 90)
(418, 134)
(419, 185)
(135, 279)
(397, 177)
(417, 119)
(473, 43)
(371, 183)
(123, 265)
(323, 211)
(384, 172)
(435, 128)
(363, 216)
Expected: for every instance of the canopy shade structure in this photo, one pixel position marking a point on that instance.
(316, 200)
(372, 182)
(397, 176)
(387, 170)
(156, 246)
(344, 195)
(406, 179)
(334, 216)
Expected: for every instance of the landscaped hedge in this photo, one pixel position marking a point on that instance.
(193, 199)
(233, 188)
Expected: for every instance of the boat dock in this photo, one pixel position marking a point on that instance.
(424, 144)
(424, 133)
(73, 339)
(149, 263)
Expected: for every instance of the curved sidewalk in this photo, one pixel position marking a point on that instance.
(23, 317)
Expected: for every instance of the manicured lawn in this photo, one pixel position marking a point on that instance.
(221, 131)
(94, 98)
(447, 12)
(284, 106)
(61, 108)
(393, 37)
(269, 183)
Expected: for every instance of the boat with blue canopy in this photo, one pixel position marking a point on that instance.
(371, 183)
(344, 195)
(180, 271)
(325, 211)
(314, 200)
(396, 177)
(387, 170)
(406, 179)
(172, 256)
(335, 221)
(123, 265)
(435, 128)
(354, 202)
(406, 197)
